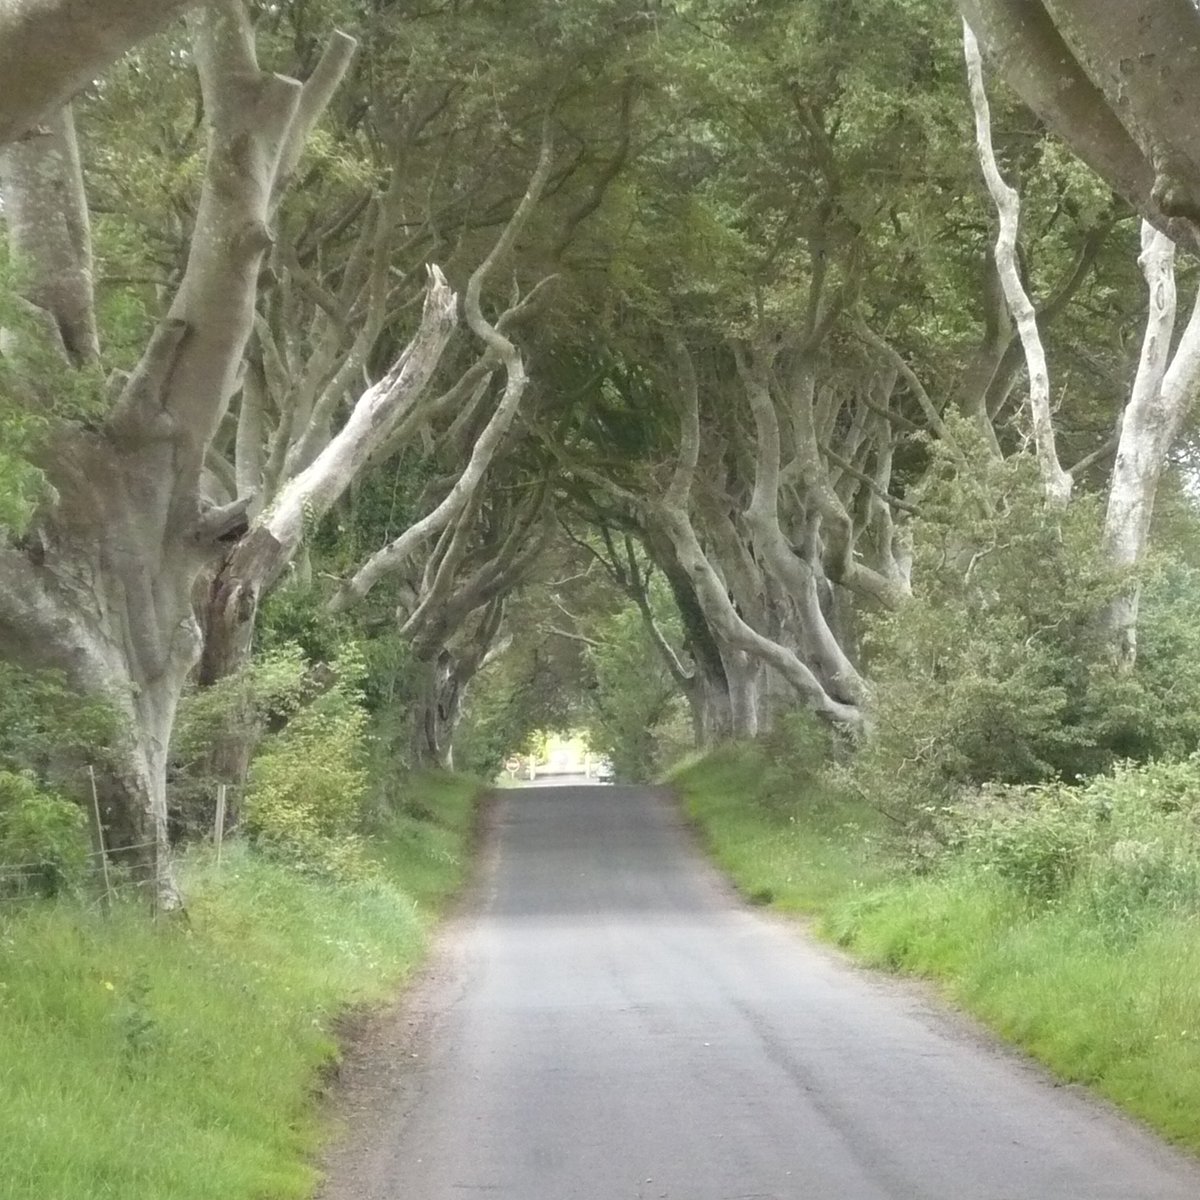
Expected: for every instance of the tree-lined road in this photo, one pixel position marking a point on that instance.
(611, 1024)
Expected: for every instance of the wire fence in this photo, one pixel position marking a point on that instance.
(41, 864)
(90, 898)
(97, 878)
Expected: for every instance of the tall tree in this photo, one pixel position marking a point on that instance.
(100, 584)
(1165, 381)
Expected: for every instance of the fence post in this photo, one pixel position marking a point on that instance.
(219, 823)
(98, 846)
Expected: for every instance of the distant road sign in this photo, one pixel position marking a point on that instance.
(512, 765)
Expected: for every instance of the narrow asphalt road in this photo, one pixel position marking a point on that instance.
(609, 1024)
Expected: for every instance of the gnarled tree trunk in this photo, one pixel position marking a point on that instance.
(101, 585)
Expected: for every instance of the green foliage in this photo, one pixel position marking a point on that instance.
(497, 721)
(798, 747)
(1067, 917)
(49, 735)
(1034, 838)
(20, 482)
(218, 724)
(536, 685)
(42, 838)
(420, 829)
(37, 391)
(304, 798)
(273, 684)
(635, 713)
(48, 728)
(998, 669)
(795, 841)
(1124, 843)
(293, 616)
(214, 1034)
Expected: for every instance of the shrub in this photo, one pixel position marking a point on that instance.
(1147, 862)
(1034, 838)
(797, 752)
(231, 713)
(49, 729)
(42, 838)
(1122, 846)
(305, 794)
(1133, 880)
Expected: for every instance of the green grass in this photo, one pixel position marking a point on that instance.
(1104, 993)
(184, 1061)
(795, 847)
(422, 845)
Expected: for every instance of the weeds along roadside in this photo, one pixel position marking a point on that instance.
(182, 1060)
(1068, 918)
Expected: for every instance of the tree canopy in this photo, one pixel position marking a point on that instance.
(657, 369)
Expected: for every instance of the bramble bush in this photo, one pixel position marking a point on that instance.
(1033, 837)
(1122, 846)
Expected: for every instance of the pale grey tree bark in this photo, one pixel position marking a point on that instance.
(1163, 389)
(709, 691)
(736, 636)
(271, 541)
(49, 235)
(1164, 385)
(499, 351)
(100, 585)
(797, 573)
(456, 614)
(1056, 481)
(1117, 81)
(49, 49)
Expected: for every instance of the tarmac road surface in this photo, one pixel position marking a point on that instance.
(609, 1023)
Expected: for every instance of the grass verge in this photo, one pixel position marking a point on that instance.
(795, 852)
(1100, 981)
(183, 1060)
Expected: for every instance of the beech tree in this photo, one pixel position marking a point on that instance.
(765, 529)
(1164, 384)
(100, 584)
(811, 351)
(328, 314)
(733, 304)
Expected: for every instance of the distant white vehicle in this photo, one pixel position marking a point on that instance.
(602, 770)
